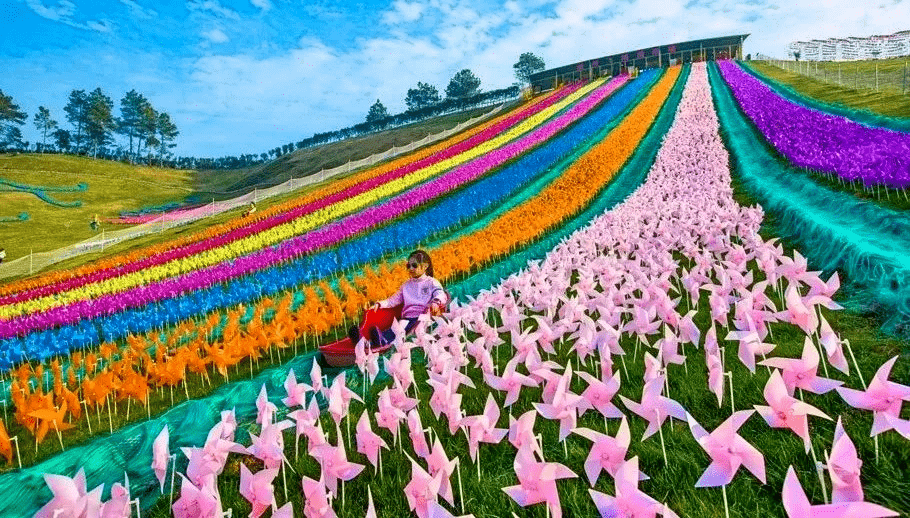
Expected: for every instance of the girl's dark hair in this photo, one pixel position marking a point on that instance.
(423, 257)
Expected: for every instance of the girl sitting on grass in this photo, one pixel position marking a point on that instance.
(418, 295)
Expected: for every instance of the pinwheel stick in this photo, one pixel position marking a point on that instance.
(460, 489)
(173, 475)
(726, 505)
(663, 447)
(819, 468)
(855, 365)
(135, 502)
(15, 439)
(729, 376)
(88, 416)
(5, 417)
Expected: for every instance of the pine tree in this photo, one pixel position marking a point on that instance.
(44, 123)
(377, 112)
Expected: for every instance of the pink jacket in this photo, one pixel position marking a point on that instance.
(416, 295)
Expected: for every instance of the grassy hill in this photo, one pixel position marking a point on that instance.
(886, 103)
(220, 184)
(111, 187)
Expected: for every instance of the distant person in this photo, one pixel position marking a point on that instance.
(251, 210)
(2, 255)
(94, 223)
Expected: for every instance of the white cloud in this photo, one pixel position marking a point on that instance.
(214, 7)
(265, 5)
(62, 11)
(403, 12)
(216, 35)
(138, 11)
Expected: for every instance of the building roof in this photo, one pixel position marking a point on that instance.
(631, 55)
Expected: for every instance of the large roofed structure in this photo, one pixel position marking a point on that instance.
(707, 49)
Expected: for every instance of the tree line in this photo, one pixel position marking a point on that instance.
(149, 133)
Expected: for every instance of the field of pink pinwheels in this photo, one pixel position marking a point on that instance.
(666, 358)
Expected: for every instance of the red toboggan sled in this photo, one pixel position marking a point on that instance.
(341, 352)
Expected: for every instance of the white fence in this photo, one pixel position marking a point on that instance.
(850, 75)
(36, 261)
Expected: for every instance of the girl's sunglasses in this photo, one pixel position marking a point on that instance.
(411, 264)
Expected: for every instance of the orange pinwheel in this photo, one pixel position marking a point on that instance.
(48, 418)
(6, 446)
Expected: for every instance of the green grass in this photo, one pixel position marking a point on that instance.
(302, 163)
(112, 187)
(891, 104)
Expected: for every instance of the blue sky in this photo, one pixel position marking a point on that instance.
(246, 76)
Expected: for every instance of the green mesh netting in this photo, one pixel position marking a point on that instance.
(106, 458)
(867, 243)
(862, 116)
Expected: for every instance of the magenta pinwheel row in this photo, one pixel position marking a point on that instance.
(300, 211)
(322, 237)
(820, 141)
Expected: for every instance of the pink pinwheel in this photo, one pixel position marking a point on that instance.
(422, 489)
(335, 464)
(268, 446)
(400, 399)
(315, 379)
(160, 456)
(546, 334)
(399, 368)
(258, 489)
(797, 312)
(70, 497)
(882, 397)
(785, 411)
(296, 391)
(525, 343)
(437, 511)
(482, 428)
(715, 375)
(305, 418)
(584, 338)
(366, 360)
(340, 396)
(510, 382)
(316, 499)
(521, 432)
(820, 292)
(629, 500)
(750, 345)
(389, 416)
(654, 407)
(197, 502)
(371, 508)
(654, 367)
(844, 467)
(225, 428)
(801, 373)
(368, 442)
(564, 406)
(834, 347)
(119, 504)
(537, 482)
(598, 395)
(643, 323)
(728, 451)
(607, 453)
(688, 332)
(286, 511)
(711, 341)
(797, 504)
(438, 463)
(416, 433)
(669, 348)
(206, 463)
(265, 409)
